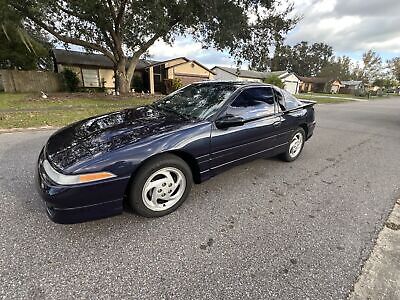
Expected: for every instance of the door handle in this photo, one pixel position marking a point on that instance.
(277, 123)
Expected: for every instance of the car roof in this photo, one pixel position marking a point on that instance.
(235, 83)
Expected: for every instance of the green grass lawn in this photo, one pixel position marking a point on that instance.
(26, 110)
(29, 110)
(327, 99)
(335, 98)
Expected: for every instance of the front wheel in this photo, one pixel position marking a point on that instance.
(161, 186)
(295, 146)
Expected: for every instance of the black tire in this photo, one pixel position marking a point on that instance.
(286, 156)
(145, 172)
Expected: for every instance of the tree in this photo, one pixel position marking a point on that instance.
(387, 83)
(21, 48)
(274, 80)
(303, 59)
(282, 59)
(337, 68)
(394, 65)
(123, 30)
(370, 69)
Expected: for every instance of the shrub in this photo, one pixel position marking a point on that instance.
(360, 93)
(275, 80)
(172, 85)
(71, 80)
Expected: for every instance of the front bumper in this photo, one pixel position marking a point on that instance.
(82, 202)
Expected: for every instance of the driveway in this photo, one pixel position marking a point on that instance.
(266, 229)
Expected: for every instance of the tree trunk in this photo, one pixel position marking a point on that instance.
(122, 82)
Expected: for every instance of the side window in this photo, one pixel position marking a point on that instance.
(253, 103)
(279, 99)
(291, 101)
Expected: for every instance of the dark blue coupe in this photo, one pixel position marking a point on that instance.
(148, 157)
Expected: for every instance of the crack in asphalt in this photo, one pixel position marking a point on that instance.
(335, 162)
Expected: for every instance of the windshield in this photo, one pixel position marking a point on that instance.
(197, 100)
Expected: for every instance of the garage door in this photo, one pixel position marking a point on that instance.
(291, 87)
(190, 79)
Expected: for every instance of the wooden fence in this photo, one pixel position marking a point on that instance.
(14, 81)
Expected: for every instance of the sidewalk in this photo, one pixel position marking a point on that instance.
(380, 277)
(51, 108)
(339, 98)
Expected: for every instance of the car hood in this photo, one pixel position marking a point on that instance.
(92, 137)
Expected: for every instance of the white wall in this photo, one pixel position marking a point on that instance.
(249, 79)
(223, 75)
(292, 84)
(291, 87)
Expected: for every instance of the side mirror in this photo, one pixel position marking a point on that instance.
(229, 121)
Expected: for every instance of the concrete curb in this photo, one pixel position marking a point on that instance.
(42, 128)
(380, 276)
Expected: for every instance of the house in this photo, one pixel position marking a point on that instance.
(335, 86)
(96, 70)
(376, 90)
(188, 71)
(291, 81)
(93, 70)
(313, 84)
(353, 87)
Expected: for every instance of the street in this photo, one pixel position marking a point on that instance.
(264, 230)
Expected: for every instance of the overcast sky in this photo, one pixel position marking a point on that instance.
(349, 26)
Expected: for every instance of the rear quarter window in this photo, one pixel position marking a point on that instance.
(291, 101)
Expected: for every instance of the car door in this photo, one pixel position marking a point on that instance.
(253, 132)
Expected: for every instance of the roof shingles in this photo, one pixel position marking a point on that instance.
(249, 73)
(68, 57)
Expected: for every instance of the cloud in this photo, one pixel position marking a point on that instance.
(368, 8)
(187, 47)
(181, 47)
(349, 25)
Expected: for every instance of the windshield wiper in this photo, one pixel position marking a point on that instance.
(171, 110)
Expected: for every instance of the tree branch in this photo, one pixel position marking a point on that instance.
(143, 48)
(72, 13)
(63, 38)
(109, 43)
(120, 16)
(117, 44)
(111, 8)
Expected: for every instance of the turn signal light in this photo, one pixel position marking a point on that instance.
(95, 176)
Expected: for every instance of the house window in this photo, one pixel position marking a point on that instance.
(90, 78)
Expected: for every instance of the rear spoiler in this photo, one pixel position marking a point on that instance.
(308, 102)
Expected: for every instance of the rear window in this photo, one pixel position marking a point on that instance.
(290, 100)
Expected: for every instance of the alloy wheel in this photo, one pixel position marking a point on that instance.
(296, 145)
(163, 189)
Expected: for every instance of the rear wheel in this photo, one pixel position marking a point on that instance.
(295, 146)
(161, 186)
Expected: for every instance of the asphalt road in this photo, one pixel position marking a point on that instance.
(267, 229)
